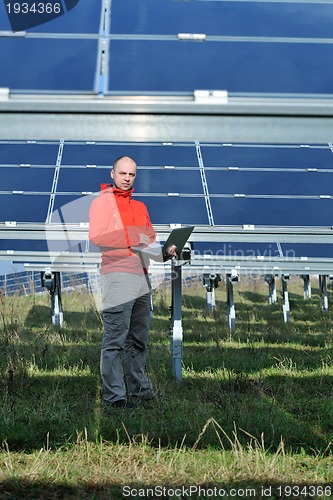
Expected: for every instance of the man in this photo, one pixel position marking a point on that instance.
(118, 223)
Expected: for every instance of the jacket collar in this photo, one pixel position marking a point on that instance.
(120, 193)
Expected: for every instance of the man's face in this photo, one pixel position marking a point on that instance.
(123, 174)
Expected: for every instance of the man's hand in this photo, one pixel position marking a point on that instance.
(171, 252)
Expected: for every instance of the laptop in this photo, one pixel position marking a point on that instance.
(177, 237)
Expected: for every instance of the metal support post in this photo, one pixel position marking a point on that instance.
(57, 314)
(270, 279)
(176, 329)
(210, 297)
(307, 286)
(285, 298)
(231, 278)
(211, 281)
(323, 293)
(52, 281)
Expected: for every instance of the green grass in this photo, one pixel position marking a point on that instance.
(255, 407)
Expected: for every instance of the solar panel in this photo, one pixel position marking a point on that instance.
(176, 210)
(83, 19)
(26, 179)
(24, 207)
(275, 183)
(289, 156)
(48, 64)
(22, 245)
(154, 66)
(221, 18)
(304, 250)
(104, 154)
(168, 52)
(270, 211)
(28, 153)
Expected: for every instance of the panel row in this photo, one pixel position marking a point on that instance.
(275, 183)
(141, 66)
(167, 17)
(190, 209)
(241, 156)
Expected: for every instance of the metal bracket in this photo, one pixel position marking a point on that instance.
(176, 329)
(270, 279)
(231, 279)
(211, 281)
(323, 293)
(307, 286)
(285, 298)
(52, 281)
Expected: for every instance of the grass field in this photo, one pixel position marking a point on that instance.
(253, 415)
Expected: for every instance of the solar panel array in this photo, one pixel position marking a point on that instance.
(186, 50)
(206, 185)
(127, 47)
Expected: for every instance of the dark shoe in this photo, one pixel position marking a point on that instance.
(144, 397)
(121, 403)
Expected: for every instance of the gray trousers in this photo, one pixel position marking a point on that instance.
(126, 315)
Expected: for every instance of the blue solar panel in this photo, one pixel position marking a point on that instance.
(84, 18)
(48, 64)
(144, 154)
(268, 211)
(250, 156)
(70, 209)
(24, 245)
(270, 183)
(24, 208)
(26, 179)
(151, 66)
(32, 154)
(168, 181)
(167, 17)
(306, 250)
(170, 209)
(82, 179)
(273, 195)
(148, 181)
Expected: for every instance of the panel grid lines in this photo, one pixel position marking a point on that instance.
(93, 36)
(54, 183)
(206, 183)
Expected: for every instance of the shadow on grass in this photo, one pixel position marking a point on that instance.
(265, 410)
(47, 411)
(40, 315)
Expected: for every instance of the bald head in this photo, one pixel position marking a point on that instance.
(123, 172)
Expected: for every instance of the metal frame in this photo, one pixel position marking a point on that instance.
(225, 263)
(270, 279)
(307, 286)
(323, 293)
(285, 297)
(231, 278)
(172, 120)
(52, 281)
(210, 282)
(176, 328)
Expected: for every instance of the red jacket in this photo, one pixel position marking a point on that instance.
(117, 223)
